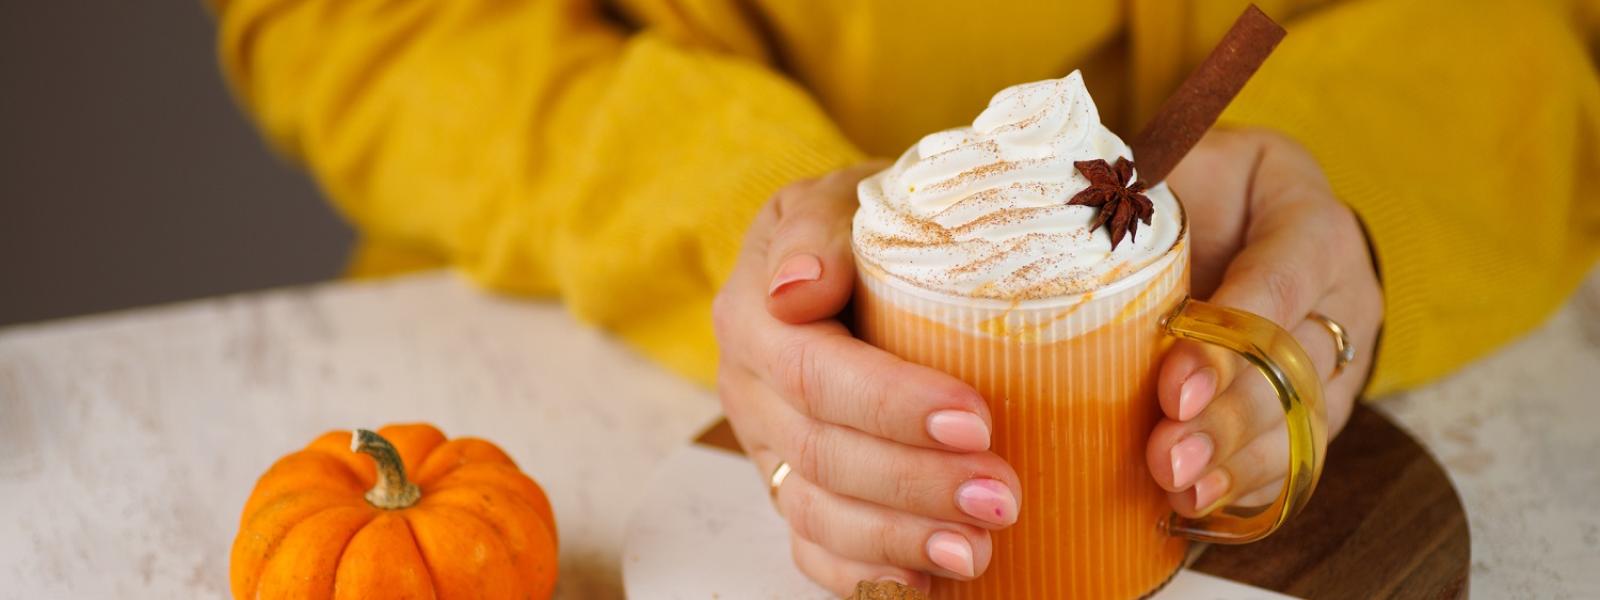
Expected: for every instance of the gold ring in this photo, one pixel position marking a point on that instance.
(1343, 350)
(779, 473)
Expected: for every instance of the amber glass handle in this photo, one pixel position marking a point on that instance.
(1284, 363)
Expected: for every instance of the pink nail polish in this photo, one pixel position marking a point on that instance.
(1196, 392)
(1189, 459)
(987, 500)
(952, 552)
(959, 429)
(795, 269)
(1209, 490)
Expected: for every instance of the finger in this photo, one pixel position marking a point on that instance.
(826, 374)
(1262, 495)
(841, 380)
(1180, 454)
(840, 575)
(876, 535)
(872, 534)
(1258, 468)
(1190, 375)
(812, 270)
(836, 573)
(1357, 306)
(977, 488)
(1358, 310)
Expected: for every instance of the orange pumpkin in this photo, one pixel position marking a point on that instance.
(340, 519)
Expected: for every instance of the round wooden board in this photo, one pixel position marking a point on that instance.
(1384, 523)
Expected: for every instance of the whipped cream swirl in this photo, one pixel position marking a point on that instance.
(982, 211)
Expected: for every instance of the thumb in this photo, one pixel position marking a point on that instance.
(811, 269)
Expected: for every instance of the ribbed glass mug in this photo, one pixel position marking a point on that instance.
(1070, 383)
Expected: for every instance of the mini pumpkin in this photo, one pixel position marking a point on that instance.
(340, 519)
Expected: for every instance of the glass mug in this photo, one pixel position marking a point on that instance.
(1070, 382)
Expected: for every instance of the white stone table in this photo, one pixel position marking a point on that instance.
(129, 441)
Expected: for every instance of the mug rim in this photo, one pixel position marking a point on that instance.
(865, 267)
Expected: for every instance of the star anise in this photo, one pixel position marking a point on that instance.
(1122, 202)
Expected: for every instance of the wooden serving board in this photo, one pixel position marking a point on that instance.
(1384, 523)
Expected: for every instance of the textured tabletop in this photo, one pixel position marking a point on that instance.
(129, 441)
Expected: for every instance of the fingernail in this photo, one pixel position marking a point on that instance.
(1189, 458)
(795, 269)
(952, 552)
(987, 500)
(1209, 489)
(1197, 390)
(894, 579)
(959, 429)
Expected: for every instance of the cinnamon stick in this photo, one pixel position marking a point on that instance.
(1194, 108)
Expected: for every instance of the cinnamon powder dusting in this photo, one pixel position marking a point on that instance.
(976, 173)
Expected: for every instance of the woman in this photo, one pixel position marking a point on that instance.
(616, 155)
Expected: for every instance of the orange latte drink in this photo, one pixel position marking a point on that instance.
(1071, 385)
(1011, 255)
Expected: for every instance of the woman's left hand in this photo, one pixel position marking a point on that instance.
(1269, 237)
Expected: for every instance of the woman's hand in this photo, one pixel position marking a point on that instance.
(892, 477)
(1269, 238)
(892, 474)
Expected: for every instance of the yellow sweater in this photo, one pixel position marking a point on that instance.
(613, 155)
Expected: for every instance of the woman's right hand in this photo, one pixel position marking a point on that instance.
(892, 477)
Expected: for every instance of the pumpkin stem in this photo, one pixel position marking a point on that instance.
(392, 490)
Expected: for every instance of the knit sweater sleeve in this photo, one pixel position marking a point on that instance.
(539, 147)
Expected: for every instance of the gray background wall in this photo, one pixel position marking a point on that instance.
(127, 174)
